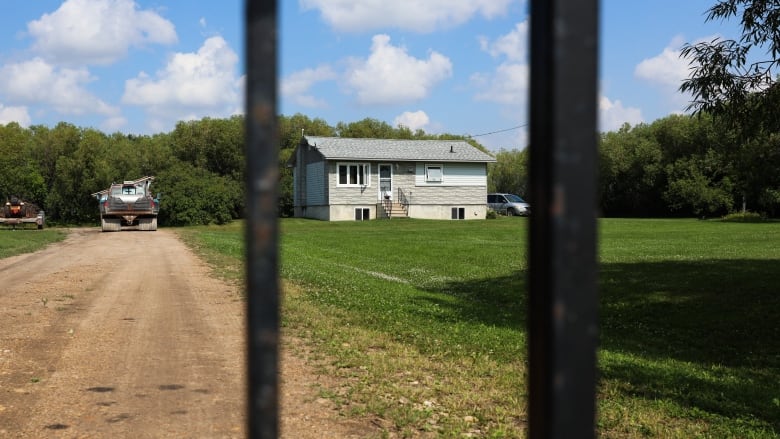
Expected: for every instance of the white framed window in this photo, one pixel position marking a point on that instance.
(434, 173)
(458, 213)
(362, 214)
(354, 174)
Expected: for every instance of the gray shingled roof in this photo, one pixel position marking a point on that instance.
(341, 148)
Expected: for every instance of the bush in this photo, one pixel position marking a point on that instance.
(491, 214)
(744, 217)
(195, 196)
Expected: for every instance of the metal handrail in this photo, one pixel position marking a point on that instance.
(387, 206)
(402, 198)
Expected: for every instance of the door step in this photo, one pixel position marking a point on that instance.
(394, 210)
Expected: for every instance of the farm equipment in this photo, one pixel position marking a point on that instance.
(128, 205)
(18, 212)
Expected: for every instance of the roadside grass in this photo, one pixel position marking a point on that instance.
(222, 247)
(15, 242)
(424, 322)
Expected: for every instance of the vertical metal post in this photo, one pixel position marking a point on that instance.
(262, 174)
(563, 295)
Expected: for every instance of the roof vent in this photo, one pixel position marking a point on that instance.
(452, 149)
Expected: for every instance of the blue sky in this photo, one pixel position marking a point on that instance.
(444, 66)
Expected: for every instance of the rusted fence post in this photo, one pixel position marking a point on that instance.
(262, 175)
(563, 303)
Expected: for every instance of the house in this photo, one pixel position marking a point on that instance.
(340, 179)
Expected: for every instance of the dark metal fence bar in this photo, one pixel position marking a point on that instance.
(563, 296)
(262, 175)
(563, 301)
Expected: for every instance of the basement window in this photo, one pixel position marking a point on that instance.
(362, 214)
(458, 213)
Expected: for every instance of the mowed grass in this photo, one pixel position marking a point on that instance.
(15, 242)
(424, 322)
(222, 247)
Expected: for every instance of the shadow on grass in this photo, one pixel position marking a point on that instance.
(497, 302)
(720, 316)
(722, 312)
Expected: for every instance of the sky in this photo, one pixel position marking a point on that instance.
(443, 66)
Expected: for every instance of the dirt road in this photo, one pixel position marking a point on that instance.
(126, 335)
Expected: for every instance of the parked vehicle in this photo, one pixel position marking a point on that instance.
(19, 212)
(508, 204)
(129, 204)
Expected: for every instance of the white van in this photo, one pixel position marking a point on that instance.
(508, 204)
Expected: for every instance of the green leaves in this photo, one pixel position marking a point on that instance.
(726, 79)
(195, 196)
(693, 185)
(510, 173)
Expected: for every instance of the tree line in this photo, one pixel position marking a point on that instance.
(198, 169)
(676, 166)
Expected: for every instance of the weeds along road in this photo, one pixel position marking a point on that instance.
(118, 335)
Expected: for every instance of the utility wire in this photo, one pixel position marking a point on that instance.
(496, 132)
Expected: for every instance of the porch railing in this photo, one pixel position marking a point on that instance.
(387, 207)
(403, 200)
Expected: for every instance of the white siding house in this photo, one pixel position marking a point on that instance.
(336, 179)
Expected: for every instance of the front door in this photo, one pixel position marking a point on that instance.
(385, 182)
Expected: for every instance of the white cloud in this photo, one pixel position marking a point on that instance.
(191, 86)
(514, 45)
(413, 120)
(14, 114)
(410, 15)
(297, 85)
(37, 82)
(391, 76)
(113, 124)
(507, 86)
(666, 69)
(97, 31)
(240, 84)
(612, 115)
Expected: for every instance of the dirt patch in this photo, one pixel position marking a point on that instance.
(127, 335)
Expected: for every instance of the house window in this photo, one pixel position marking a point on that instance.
(362, 214)
(434, 173)
(354, 174)
(458, 213)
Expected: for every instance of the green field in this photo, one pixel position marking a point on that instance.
(14, 242)
(424, 322)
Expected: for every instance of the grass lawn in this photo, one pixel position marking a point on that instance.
(424, 321)
(14, 242)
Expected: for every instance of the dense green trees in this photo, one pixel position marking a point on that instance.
(509, 173)
(676, 166)
(735, 82)
(199, 168)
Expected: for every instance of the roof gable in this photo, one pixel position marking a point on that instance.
(342, 148)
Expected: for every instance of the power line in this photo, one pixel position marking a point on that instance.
(499, 131)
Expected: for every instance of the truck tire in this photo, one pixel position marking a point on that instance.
(147, 224)
(110, 225)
